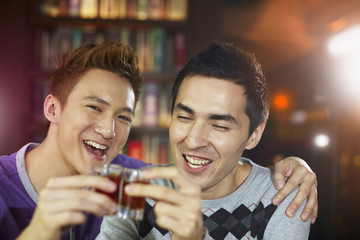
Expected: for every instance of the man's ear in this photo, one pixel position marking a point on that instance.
(255, 137)
(52, 109)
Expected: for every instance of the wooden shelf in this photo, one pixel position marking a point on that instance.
(106, 23)
(161, 78)
(139, 130)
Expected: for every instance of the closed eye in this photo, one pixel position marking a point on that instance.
(127, 119)
(221, 127)
(183, 117)
(94, 108)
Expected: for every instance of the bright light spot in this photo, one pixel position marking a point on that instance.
(346, 47)
(348, 83)
(345, 42)
(281, 101)
(321, 140)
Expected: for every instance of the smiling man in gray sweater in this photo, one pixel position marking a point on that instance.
(219, 110)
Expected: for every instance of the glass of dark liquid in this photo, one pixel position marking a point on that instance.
(129, 207)
(112, 172)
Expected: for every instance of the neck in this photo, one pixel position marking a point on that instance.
(44, 162)
(228, 184)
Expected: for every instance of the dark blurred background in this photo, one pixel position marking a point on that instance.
(315, 107)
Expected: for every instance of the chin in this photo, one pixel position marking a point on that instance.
(87, 170)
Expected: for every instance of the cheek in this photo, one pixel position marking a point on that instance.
(228, 146)
(76, 126)
(177, 132)
(122, 134)
(80, 119)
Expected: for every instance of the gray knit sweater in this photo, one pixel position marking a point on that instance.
(247, 213)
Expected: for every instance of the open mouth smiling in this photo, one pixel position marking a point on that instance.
(95, 148)
(196, 163)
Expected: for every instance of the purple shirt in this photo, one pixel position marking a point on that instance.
(18, 197)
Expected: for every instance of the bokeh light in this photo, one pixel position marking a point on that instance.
(321, 140)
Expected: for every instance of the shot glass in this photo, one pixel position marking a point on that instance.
(131, 207)
(113, 172)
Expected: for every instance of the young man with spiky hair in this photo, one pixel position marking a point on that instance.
(90, 106)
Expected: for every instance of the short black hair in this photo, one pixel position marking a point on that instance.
(228, 62)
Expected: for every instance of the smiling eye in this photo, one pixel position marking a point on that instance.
(94, 108)
(181, 117)
(127, 119)
(220, 127)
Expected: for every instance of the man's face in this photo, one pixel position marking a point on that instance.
(95, 121)
(209, 132)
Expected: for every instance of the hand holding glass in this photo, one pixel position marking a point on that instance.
(129, 207)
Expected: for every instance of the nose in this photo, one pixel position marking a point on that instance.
(197, 136)
(106, 127)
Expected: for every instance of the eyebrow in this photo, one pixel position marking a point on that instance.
(99, 100)
(184, 108)
(224, 117)
(102, 101)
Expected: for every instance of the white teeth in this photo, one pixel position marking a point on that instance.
(194, 166)
(195, 163)
(95, 145)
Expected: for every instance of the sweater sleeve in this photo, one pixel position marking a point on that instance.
(281, 227)
(113, 227)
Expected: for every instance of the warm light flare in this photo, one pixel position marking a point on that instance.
(345, 42)
(281, 101)
(345, 47)
(350, 78)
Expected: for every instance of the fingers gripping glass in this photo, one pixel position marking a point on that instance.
(129, 207)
